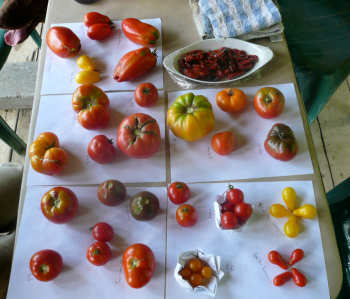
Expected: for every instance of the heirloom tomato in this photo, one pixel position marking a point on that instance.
(191, 117)
(144, 206)
(139, 32)
(269, 102)
(46, 264)
(111, 193)
(134, 64)
(138, 264)
(103, 232)
(99, 31)
(87, 77)
(63, 42)
(243, 211)
(98, 253)
(186, 215)
(228, 220)
(179, 193)
(281, 143)
(234, 195)
(59, 205)
(146, 95)
(92, 18)
(223, 143)
(85, 62)
(231, 100)
(139, 136)
(101, 149)
(92, 106)
(45, 155)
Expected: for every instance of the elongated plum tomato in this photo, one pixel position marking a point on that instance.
(99, 31)
(63, 41)
(92, 18)
(46, 265)
(139, 32)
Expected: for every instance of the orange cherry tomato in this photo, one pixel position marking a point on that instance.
(139, 32)
(195, 265)
(231, 100)
(185, 273)
(223, 143)
(196, 279)
(146, 95)
(206, 272)
(63, 41)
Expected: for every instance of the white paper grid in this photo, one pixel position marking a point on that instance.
(56, 115)
(248, 273)
(79, 278)
(197, 162)
(59, 73)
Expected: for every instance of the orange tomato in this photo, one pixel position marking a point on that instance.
(231, 100)
(196, 279)
(206, 272)
(223, 143)
(195, 265)
(185, 273)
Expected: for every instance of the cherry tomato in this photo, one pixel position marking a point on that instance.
(87, 77)
(269, 102)
(86, 63)
(102, 231)
(186, 215)
(98, 253)
(99, 31)
(92, 18)
(146, 95)
(101, 149)
(63, 42)
(296, 256)
(231, 100)
(234, 195)
(223, 143)
(229, 207)
(196, 279)
(179, 193)
(276, 259)
(195, 265)
(243, 211)
(111, 193)
(281, 279)
(185, 273)
(299, 278)
(46, 264)
(139, 32)
(206, 272)
(229, 220)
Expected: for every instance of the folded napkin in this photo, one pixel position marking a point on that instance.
(244, 19)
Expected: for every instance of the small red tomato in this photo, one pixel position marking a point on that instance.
(102, 231)
(281, 279)
(243, 211)
(299, 278)
(223, 143)
(46, 264)
(98, 253)
(186, 215)
(269, 102)
(234, 195)
(296, 256)
(276, 259)
(92, 18)
(179, 193)
(229, 220)
(146, 95)
(99, 31)
(229, 207)
(101, 149)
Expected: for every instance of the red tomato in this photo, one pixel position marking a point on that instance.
(146, 95)
(46, 264)
(281, 279)
(111, 193)
(186, 215)
(243, 211)
(269, 102)
(299, 278)
(296, 256)
(139, 32)
(92, 106)
(99, 31)
(63, 42)
(139, 136)
(223, 143)
(54, 161)
(179, 193)
(101, 149)
(98, 253)
(234, 195)
(138, 264)
(102, 231)
(276, 259)
(229, 220)
(59, 205)
(229, 207)
(92, 18)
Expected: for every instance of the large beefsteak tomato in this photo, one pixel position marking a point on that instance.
(63, 41)
(191, 117)
(139, 32)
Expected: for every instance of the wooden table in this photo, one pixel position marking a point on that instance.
(179, 31)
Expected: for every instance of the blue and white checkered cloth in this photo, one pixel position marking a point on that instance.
(245, 19)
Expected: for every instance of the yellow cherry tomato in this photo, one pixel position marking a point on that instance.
(279, 211)
(86, 63)
(291, 228)
(87, 77)
(306, 211)
(289, 196)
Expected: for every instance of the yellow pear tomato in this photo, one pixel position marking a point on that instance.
(279, 211)
(291, 228)
(87, 77)
(289, 196)
(86, 63)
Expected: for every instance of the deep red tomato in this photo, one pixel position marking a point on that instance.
(276, 259)
(102, 231)
(269, 102)
(139, 136)
(139, 32)
(179, 193)
(229, 207)
(243, 211)
(146, 95)
(299, 278)
(111, 193)
(92, 106)
(99, 31)
(92, 18)
(138, 264)
(281, 279)
(297, 255)
(63, 42)
(59, 205)
(281, 143)
(234, 195)
(223, 143)
(186, 215)
(101, 149)
(229, 220)
(98, 253)
(46, 264)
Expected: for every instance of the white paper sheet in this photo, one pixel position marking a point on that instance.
(59, 73)
(79, 278)
(248, 273)
(197, 162)
(56, 115)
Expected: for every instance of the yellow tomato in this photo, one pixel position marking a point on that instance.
(291, 228)
(87, 77)
(86, 63)
(306, 211)
(289, 196)
(279, 211)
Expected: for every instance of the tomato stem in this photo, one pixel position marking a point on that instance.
(146, 90)
(134, 263)
(230, 186)
(96, 251)
(267, 99)
(179, 185)
(43, 268)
